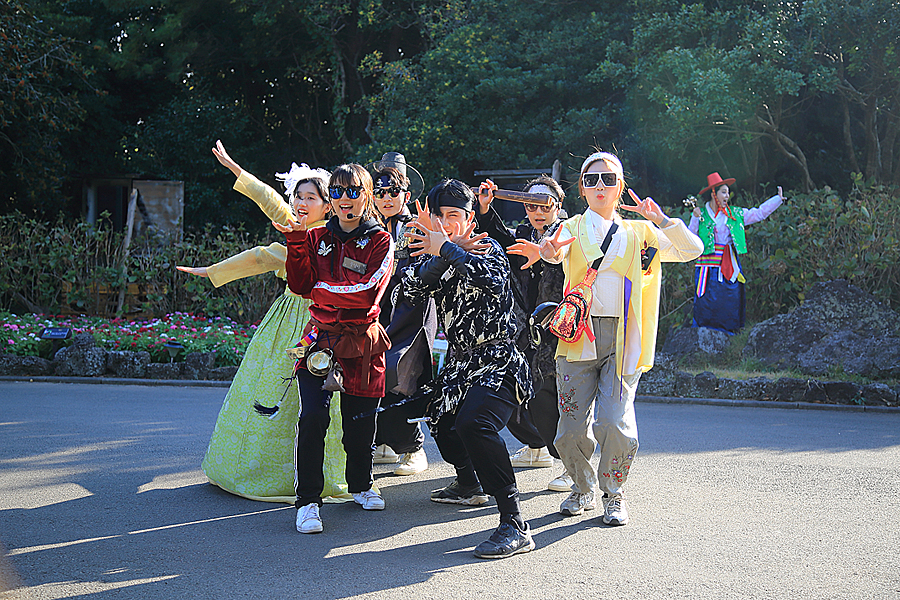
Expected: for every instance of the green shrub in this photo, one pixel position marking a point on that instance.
(72, 267)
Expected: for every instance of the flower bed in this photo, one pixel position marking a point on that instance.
(20, 335)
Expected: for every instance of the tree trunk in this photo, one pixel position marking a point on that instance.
(873, 144)
(790, 149)
(848, 137)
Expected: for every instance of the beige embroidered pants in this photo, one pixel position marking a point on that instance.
(595, 407)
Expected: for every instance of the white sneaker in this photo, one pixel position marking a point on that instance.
(384, 455)
(412, 463)
(527, 458)
(577, 503)
(308, 520)
(562, 482)
(614, 510)
(369, 500)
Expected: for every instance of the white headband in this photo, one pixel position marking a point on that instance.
(300, 173)
(606, 157)
(543, 189)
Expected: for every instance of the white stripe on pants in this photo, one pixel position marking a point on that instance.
(584, 385)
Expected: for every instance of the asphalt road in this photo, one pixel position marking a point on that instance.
(101, 496)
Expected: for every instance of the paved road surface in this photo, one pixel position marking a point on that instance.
(101, 496)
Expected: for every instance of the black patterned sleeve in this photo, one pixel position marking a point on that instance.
(489, 271)
(415, 288)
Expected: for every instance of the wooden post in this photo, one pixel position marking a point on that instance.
(129, 229)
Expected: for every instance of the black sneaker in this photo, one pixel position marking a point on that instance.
(506, 540)
(457, 494)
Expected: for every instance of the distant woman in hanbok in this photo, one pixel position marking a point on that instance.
(719, 301)
(252, 449)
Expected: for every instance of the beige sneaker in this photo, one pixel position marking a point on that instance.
(530, 458)
(577, 503)
(412, 463)
(561, 483)
(614, 510)
(384, 455)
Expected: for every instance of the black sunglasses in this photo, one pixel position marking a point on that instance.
(336, 191)
(590, 180)
(393, 191)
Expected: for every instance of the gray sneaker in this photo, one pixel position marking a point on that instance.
(577, 503)
(614, 510)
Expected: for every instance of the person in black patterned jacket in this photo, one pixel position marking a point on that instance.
(485, 377)
(534, 423)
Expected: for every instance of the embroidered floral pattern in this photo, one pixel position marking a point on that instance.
(619, 466)
(362, 242)
(567, 406)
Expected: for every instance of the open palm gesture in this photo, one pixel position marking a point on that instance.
(548, 248)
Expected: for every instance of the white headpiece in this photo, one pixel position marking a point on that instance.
(300, 173)
(611, 159)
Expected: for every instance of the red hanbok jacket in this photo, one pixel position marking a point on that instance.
(345, 275)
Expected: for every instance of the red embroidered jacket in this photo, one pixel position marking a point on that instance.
(345, 275)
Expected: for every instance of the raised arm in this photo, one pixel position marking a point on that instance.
(269, 201)
(755, 215)
(488, 218)
(676, 242)
(255, 261)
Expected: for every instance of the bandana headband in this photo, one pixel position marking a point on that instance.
(445, 199)
(543, 189)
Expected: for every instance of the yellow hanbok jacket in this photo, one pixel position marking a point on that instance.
(639, 314)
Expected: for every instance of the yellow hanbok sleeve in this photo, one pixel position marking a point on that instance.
(255, 261)
(271, 202)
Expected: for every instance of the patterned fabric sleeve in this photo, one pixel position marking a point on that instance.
(413, 288)
(487, 271)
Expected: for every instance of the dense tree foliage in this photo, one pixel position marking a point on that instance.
(798, 93)
(41, 81)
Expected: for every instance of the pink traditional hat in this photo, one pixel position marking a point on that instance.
(715, 180)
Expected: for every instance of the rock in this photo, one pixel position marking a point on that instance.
(691, 343)
(706, 385)
(11, 364)
(755, 388)
(833, 392)
(222, 373)
(657, 382)
(837, 326)
(702, 385)
(82, 359)
(854, 353)
(124, 363)
(164, 370)
(878, 394)
(788, 389)
(684, 384)
(197, 365)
